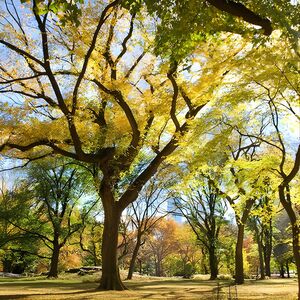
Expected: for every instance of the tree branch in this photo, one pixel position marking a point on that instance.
(241, 11)
(22, 52)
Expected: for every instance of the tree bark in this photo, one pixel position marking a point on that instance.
(268, 266)
(140, 266)
(260, 251)
(282, 270)
(134, 256)
(110, 279)
(213, 263)
(158, 268)
(268, 249)
(287, 269)
(295, 229)
(239, 10)
(239, 263)
(261, 261)
(53, 272)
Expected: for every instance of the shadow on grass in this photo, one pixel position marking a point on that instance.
(163, 289)
(52, 295)
(49, 284)
(173, 282)
(273, 281)
(176, 289)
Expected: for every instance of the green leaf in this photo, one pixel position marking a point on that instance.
(53, 7)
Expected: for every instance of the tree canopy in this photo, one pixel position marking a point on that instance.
(133, 87)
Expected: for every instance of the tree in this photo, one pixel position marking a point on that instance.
(203, 207)
(261, 222)
(228, 233)
(145, 213)
(243, 177)
(90, 238)
(80, 99)
(187, 256)
(283, 250)
(19, 251)
(162, 243)
(186, 23)
(53, 191)
(57, 190)
(70, 11)
(277, 85)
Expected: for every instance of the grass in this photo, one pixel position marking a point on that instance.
(85, 288)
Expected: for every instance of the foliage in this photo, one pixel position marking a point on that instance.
(204, 208)
(161, 243)
(67, 11)
(91, 238)
(104, 100)
(126, 92)
(187, 23)
(47, 209)
(19, 250)
(185, 261)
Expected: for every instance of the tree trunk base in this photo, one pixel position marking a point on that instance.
(239, 281)
(112, 283)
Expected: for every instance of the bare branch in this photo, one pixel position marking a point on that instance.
(102, 19)
(126, 39)
(21, 52)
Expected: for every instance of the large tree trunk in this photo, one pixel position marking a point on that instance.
(282, 271)
(239, 263)
(295, 228)
(268, 249)
(260, 251)
(110, 279)
(213, 263)
(158, 267)
(267, 259)
(261, 260)
(53, 272)
(268, 266)
(134, 256)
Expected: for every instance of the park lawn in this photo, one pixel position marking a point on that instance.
(85, 288)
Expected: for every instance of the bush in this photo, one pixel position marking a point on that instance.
(225, 277)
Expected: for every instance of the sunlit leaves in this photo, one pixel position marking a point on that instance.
(68, 11)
